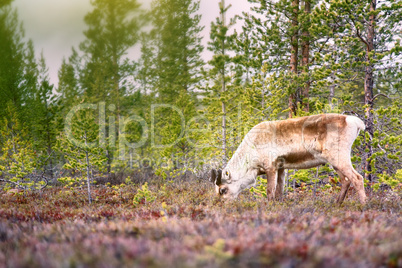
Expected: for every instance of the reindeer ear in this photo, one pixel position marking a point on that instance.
(218, 180)
(213, 175)
(216, 176)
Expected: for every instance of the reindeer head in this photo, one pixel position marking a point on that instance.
(229, 183)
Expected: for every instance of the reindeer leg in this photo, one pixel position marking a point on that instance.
(345, 187)
(281, 183)
(271, 183)
(349, 172)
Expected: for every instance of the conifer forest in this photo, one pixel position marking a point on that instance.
(106, 160)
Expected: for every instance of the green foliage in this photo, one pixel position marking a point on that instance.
(169, 74)
(18, 160)
(393, 181)
(302, 176)
(143, 195)
(83, 156)
(386, 141)
(172, 59)
(112, 28)
(24, 84)
(101, 72)
(221, 88)
(261, 189)
(12, 65)
(43, 116)
(69, 182)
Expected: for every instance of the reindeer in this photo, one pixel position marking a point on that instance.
(300, 143)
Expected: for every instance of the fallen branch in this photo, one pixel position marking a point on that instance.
(18, 185)
(380, 94)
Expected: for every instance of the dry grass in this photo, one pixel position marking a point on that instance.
(187, 226)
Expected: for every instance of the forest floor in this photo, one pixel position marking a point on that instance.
(183, 224)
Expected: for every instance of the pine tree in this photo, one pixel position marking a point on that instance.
(25, 86)
(12, 50)
(18, 159)
(5, 3)
(68, 88)
(102, 71)
(231, 103)
(43, 128)
(79, 145)
(287, 43)
(176, 46)
(275, 28)
(305, 51)
(113, 28)
(368, 32)
(221, 44)
(342, 61)
(171, 65)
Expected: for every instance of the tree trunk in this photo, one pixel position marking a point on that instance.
(224, 145)
(49, 141)
(305, 50)
(262, 90)
(294, 47)
(88, 177)
(368, 89)
(88, 169)
(115, 65)
(332, 91)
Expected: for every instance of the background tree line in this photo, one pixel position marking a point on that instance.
(290, 58)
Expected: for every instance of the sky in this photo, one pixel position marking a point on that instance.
(55, 26)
